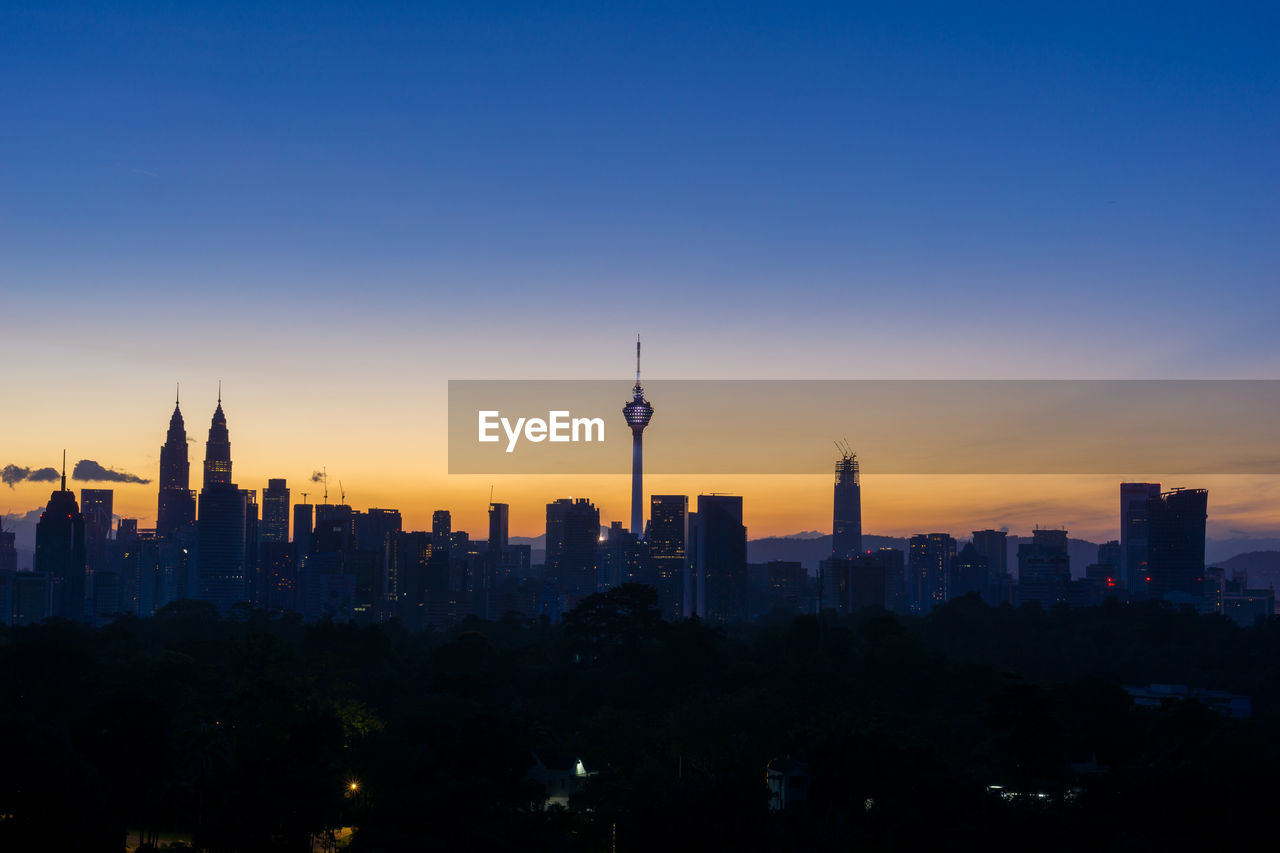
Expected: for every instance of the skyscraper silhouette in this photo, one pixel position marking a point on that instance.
(220, 557)
(1135, 499)
(573, 533)
(1175, 543)
(637, 412)
(60, 551)
(846, 527)
(275, 512)
(8, 552)
(668, 537)
(718, 561)
(177, 506)
(929, 565)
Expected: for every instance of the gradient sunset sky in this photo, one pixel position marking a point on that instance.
(335, 208)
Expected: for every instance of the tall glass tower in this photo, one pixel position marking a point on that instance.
(177, 506)
(846, 529)
(637, 412)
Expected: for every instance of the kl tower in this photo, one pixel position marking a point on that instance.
(637, 412)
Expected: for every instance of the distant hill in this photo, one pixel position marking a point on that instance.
(810, 550)
(1261, 567)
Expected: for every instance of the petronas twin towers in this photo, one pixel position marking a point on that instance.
(219, 566)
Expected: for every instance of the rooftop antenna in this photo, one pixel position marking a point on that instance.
(324, 474)
(64, 469)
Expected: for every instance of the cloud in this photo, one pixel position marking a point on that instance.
(88, 471)
(317, 476)
(17, 473)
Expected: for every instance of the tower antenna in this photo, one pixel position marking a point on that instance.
(324, 474)
(637, 359)
(64, 469)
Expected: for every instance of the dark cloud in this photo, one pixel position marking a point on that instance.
(88, 471)
(317, 476)
(17, 473)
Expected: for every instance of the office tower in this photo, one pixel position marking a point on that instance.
(787, 586)
(718, 549)
(994, 546)
(221, 529)
(846, 524)
(573, 532)
(177, 506)
(668, 537)
(1134, 500)
(1111, 554)
(303, 522)
(623, 558)
(929, 567)
(637, 412)
(96, 507)
(499, 515)
(275, 512)
(893, 562)
(375, 578)
(970, 572)
(254, 581)
(1175, 544)
(1044, 569)
(441, 528)
(60, 551)
(8, 551)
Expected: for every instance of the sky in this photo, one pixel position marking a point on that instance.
(336, 208)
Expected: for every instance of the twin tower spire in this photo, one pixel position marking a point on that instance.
(177, 504)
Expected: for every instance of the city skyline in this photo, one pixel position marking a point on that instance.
(1040, 195)
(1097, 522)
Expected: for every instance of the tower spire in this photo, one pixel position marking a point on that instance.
(219, 392)
(64, 469)
(177, 393)
(637, 359)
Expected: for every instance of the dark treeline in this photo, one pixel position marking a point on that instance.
(248, 733)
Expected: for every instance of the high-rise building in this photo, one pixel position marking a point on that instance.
(275, 512)
(970, 572)
(846, 524)
(1134, 502)
(1044, 569)
(638, 413)
(929, 566)
(499, 516)
(221, 529)
(1175, 543)
(441, 528)
(60, 551)
(718, 559)
(8, 551)
(668, 536)
(573, 533)
(96, 507)
(177, 505)
(994, 546)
